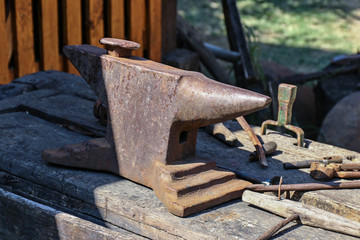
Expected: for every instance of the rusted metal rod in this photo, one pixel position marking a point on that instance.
(258, 146)
(223, 54)
(278, 226)
(347, 174)
(306, 163)
(304, 186)
(321, 171)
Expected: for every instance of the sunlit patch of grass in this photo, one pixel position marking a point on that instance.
(301, 34)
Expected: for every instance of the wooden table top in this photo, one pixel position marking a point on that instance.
(56, 110)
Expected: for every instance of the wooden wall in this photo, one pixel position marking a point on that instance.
(33, 32)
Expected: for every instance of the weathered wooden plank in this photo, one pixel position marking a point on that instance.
(128, 205)
(343, 202)
(116, 18)
(120, 202)
(4, 60)
(10, 41)
(24, 32)
(169, 13)
(82, 121)
(47, 84)
(22, 218)
(72, 25)
(308, 215)
(95, 22)
(138, 25)
(50, 58)
(155, 30)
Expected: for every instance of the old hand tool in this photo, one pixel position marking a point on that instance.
(308, 215)
(269, 149)
(258, 146)
(306, 163)
(322, 171)
(153, 114)
(304, 186)
(286, 97)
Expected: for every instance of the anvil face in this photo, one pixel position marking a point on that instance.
(154, 114)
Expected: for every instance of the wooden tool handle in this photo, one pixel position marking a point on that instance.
(308, 215)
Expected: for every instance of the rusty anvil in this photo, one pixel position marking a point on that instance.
(154, 112)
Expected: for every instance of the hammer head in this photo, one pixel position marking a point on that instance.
(321, 171)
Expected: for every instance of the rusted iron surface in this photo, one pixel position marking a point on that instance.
(286, 97)
(304, 186)
(258, 146)
(322, 171)
(307, 163)
(154, 112)
(118, 47)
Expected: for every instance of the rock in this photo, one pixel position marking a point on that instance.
(341, 126)
(331, 90)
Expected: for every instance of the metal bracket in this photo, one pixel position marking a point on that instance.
(286, 98)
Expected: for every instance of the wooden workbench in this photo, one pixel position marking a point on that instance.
(43, 201)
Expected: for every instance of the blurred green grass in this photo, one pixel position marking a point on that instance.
(302, 35)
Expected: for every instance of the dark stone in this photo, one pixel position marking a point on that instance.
(331, 90)
(341, 126)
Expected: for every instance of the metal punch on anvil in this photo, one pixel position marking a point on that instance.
(154, 112)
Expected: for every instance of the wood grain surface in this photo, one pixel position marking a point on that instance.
(28, 128)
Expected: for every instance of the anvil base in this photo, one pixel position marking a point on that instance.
(185, 187)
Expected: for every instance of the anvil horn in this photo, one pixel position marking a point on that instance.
(207, 101)
(154, 113)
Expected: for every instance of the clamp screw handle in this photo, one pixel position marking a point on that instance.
(119, 47)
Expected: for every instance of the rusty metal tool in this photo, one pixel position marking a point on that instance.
(258, 146)
(269, 149)
(153, 115)
(278, 226)
(286, 98)
(304, 186)
(322, 171)
(306, 163)
(308, 215)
